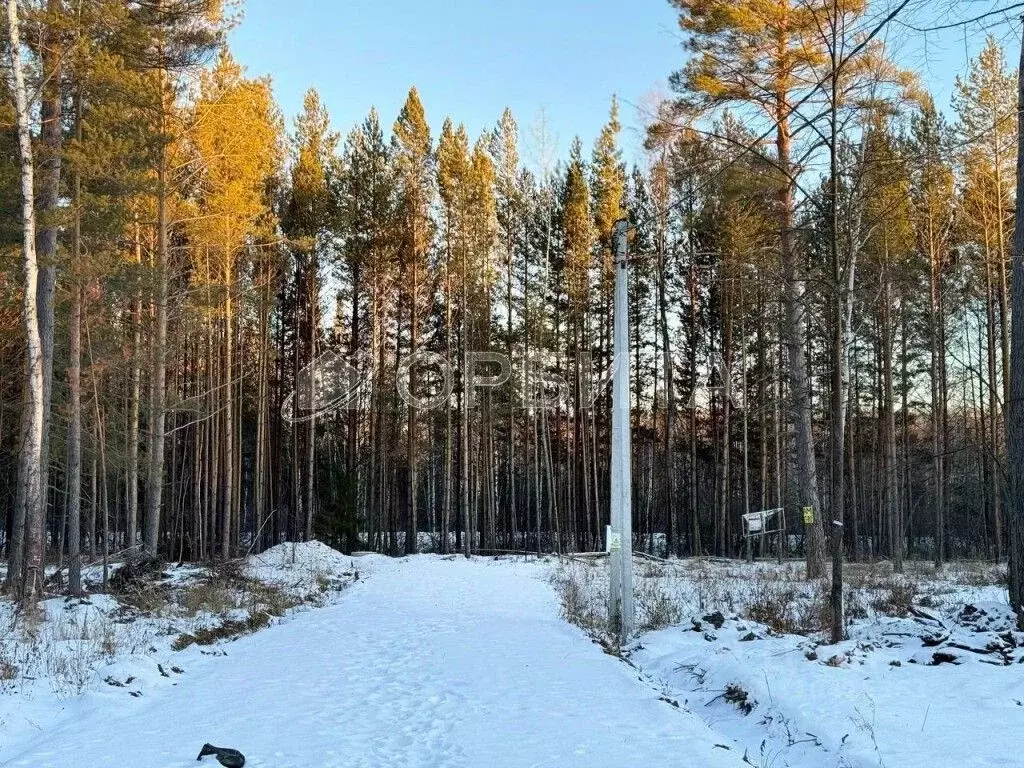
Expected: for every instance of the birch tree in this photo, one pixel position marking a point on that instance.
(25, 564)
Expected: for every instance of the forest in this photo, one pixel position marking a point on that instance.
(819, 301)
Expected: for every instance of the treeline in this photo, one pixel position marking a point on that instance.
(819, 279)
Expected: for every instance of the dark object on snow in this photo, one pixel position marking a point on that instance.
(138, 570)
(229, 758)
(987, 618)
(715, 619)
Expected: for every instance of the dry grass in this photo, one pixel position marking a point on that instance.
(151, 600)
(777, 596)
(72, 643)
(776, 607)
(656, 608)
(228, 630)
(583, 603)
(896, 598)
(68, 649)
(582, 588)
(211, 596)
(63, 644)
(229, 591)
(8, 671)
(977, 574)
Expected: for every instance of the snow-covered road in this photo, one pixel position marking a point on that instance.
(426, 662)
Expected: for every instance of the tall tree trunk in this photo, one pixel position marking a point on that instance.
(26, 544)
(449, 469)
(1003, 288)
(260, 469)
(157, 406)
(794, 327)
(313, 299)
(412, 459)
(229, 415)
(351, 465)
(674, 541)
(74, 458)
(937, 353)
(993, 402)
(134, 400)
(723, 543)
(1015, 406)
(48, 204)
(467, 534)
(695, 543)
(892, 508)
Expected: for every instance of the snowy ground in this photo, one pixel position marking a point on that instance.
(430, 661)
(91, 655)
(937, 684)
(423, 662)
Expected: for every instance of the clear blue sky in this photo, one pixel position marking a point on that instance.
(468, 58)
(472, 58)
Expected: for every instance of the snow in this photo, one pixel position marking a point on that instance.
(440, 661)
(304, 557)
(876, 700)
(300, 568)
(843, 708)
(424, 662)
(86, 653)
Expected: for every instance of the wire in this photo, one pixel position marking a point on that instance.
(964, 22)
(819, 85)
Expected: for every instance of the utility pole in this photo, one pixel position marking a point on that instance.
(838, 351)
(620, 541)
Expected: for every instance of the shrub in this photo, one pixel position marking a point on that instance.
(8, 671)
(774, 606)
(656, 609)
(897, 598)
(151, 599)
(209, 597)
(582, 603)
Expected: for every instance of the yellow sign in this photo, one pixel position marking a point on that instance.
(808, 515)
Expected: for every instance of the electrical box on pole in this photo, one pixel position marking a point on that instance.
(620, 545)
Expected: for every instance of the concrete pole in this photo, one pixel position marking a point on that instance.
(620, 594)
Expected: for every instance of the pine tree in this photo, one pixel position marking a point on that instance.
(932, 193)
(510, 202)
(167, 38)
(306, 220)
(367, 213)
(578, 241)
(413, 158)
(985, 101)
(453, 182)
(762, 56)
(236, 136)
(478, 281)
(888, 257)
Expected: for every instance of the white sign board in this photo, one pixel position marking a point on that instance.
(757, 523)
